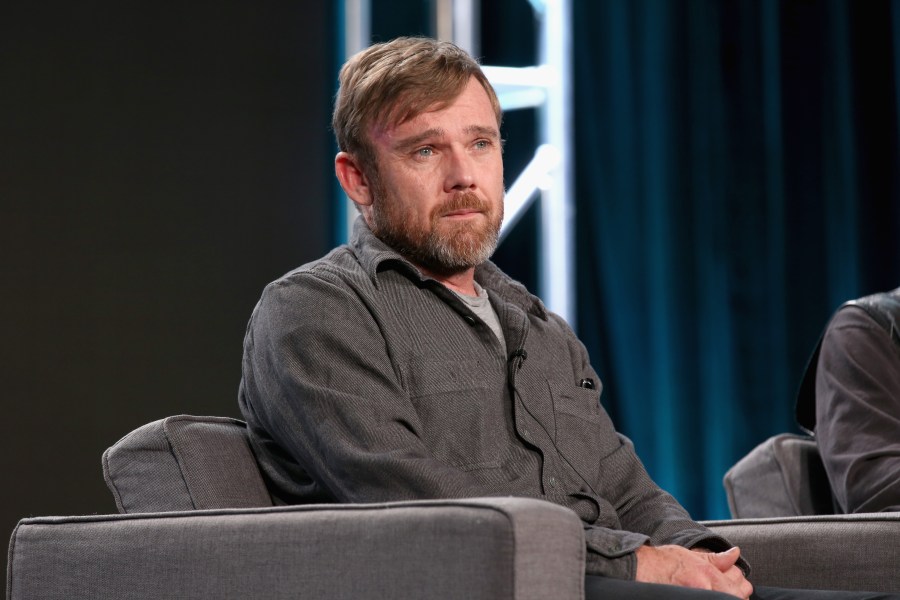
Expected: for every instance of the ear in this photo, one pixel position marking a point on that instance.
(352, 179)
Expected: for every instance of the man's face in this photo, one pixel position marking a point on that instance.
(437, 196)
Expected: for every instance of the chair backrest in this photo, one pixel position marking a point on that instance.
(185, 463)
(782, 477)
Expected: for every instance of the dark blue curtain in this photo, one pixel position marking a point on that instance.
(737, 179)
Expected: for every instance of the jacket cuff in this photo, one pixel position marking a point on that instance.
(610, 553)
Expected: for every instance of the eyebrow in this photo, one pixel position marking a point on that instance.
(417, 139)
(435, 132)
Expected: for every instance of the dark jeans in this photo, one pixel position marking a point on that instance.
(604, 588)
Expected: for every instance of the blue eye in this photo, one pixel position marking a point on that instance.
(425, 151)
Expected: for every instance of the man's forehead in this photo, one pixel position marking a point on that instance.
(404, 121)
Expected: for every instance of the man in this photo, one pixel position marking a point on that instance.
(850, 398)
(405, 365)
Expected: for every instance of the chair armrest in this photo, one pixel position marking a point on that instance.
(475, 548)
(841, 552)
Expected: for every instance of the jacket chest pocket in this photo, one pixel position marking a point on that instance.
(461, 419)
(584, 432)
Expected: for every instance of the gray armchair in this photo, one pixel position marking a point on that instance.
(199, 523)
(784, 512)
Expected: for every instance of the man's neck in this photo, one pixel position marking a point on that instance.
(462, 282)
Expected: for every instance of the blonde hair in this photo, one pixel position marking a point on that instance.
(392, 82)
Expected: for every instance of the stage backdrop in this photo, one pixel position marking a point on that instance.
(159, 164)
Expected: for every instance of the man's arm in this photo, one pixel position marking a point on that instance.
(858, 412)
(656, 518)
(319, 379)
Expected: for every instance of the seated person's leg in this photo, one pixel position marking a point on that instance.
(605, 588)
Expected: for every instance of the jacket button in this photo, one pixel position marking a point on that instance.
(525, 433)
(470, 319)
(553, 482)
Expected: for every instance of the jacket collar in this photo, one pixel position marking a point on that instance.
(375, 256)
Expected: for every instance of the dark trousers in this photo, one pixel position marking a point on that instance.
(604, 588)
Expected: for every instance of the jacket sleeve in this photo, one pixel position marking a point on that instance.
(319, 380)
(646, 513)
(858, 412)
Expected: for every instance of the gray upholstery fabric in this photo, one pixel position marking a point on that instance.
(184, 463)
(842, 552)
(476, 549)
(493, 548)
(781, 477)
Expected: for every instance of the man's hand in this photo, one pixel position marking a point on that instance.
(675, 565)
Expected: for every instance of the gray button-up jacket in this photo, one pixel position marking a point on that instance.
(364, 381)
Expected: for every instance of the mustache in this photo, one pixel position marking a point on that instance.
(462, 201)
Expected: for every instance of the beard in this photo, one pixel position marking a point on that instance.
(444, 247)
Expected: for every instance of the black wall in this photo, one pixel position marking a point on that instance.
(159, 163)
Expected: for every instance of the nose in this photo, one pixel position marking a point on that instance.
(460, 174)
